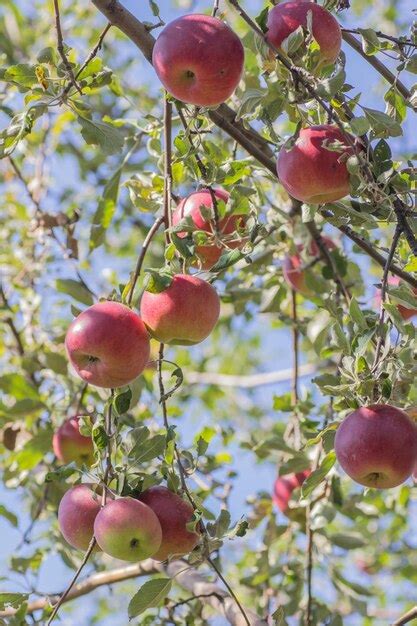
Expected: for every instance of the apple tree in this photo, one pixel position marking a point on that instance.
(209, 257)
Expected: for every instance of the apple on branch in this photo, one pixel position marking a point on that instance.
(108, 345)
(199, 60)
(77, 512)
(174, 514)
(286, 17)
(284, 487)
(127, 529)
(313, 168)
(70, 445)
(293, 267)
(199, 206)
(376, 445)
(184, 313)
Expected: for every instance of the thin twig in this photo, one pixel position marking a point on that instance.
(229, 589)
(215, 8)
(74, 579)
(167, 165)
(310, 564)
(151, 233)
(381, 337)
(61, 48)
(377, 64)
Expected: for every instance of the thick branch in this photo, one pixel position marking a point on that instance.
(249, 381)
(406, 618)
(189, 579)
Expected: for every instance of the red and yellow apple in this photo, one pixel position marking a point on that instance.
(127, 529)
(376, 445)
(108, 345)
(77, 512)
(286, 17)
(293, 265)
(313, 169)
(192, 206)
(284, 487)
(70, 445)
(199, 60)
(173, 513)
(184, 313)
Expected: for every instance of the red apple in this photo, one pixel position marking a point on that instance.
(184, 314)
(108, 345)
(284, 486)
(293, 265)
(128, 529)
(310, 171)
(285, 18)
(404, 311)
(76, 514)
(191, 207)
(377, 446)
(199, 60)
(70, 445)
(173, 514)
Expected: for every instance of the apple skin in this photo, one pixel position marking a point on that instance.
(404, 311)
(108, 345)
(77, 512)
(199, 60)
(285, 18)
(173, 513)
(190, 207)
(377, 446)
(184, 314)
(127, 529)
(292, 265)
(70, 445)
(309, 171)
(284, 486)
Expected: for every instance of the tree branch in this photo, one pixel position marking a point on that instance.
(407, 617)
(225, 118)
(377, 64)
(250, 381)
(61, 49)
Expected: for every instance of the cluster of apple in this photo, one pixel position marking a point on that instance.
(152, 525)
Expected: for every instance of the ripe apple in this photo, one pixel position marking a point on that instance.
(128, 530)
(404, 311)
(173, 513)
(199, 60)
(284, 486)
(292, 267)
(310, 171)
(184, 314)
(70, 445)
(76, 514)
(285, 18)
(191, 207)
(108, 345)
(376, 445)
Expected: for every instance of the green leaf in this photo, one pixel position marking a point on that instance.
(105, 210)
(100, 436)
(11, 517)
(121, 402)
(75, 289)
(158, 280)
(347, 541)
(21, 74)
(356, 314)
(370, 42)
(227, 260)
(318, 475)
(359, 125)
(292, 43)
(150, 595)
(382, 124)
(279, 617)
(12, 599)
(148, 449)
(18, 387)
(109, 139)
